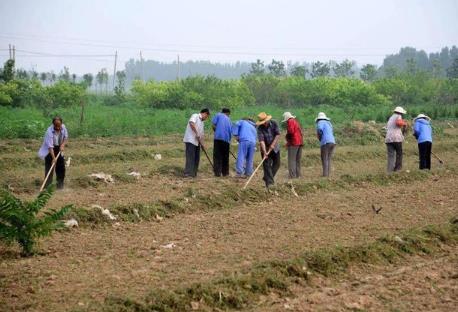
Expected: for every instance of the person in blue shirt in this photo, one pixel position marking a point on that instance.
(424, 134)
(245, 133)
(325, 135)
(222, 126)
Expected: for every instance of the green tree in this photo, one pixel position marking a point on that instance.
(368, 72)
(411, 66)
(452, 71)
(43, 77)
(320, 69)
(344, 69)
(8, 71)
(87, 79)
(298, 71)
(257, 68)
(19, 221)
(74, 78)
(22, 74)
(277, 68)
(65, 74)
(120, 84)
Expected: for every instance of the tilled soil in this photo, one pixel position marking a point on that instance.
(427, 283)
(90, 264)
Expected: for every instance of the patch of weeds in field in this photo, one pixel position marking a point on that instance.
(167, 169)
(91, 216)
(137, 212)
(240, 290)
(125, 178)
(85, 182)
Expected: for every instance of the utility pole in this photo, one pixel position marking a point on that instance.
(178, 67)
(14, 53)
(141, 66)
(9, 50)
(114, 70)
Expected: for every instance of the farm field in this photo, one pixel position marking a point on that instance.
(171, 233)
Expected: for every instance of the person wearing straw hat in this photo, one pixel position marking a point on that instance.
(268, 137)
(325, 134)
(54, 142)
(396, 127)
(193, 140)
(294, 144)
(424, 134)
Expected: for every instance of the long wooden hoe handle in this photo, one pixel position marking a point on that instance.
(205, 152)
(254, 172)
(49, 172)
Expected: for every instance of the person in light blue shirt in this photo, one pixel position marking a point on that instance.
(424, 134)
(222, 126)
(245, 133)
(325, 135)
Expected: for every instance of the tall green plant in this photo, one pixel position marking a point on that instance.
(20, 222)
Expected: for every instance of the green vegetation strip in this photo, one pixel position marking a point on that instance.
(242, 289)
(233, 196)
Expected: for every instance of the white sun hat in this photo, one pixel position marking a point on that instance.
(287, 116)
(422, 116)
(400, 110)
(321, 115)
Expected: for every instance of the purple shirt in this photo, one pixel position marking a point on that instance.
(48, 140)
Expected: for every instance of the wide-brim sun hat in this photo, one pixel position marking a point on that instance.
(321, 116)
(263, 118)
(400, 110)
(422, 116)
(287, 116)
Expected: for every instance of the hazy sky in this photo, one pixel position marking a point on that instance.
(225, 31)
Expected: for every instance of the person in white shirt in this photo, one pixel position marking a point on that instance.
(193, 140)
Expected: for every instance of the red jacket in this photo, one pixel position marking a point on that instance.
(294, 133)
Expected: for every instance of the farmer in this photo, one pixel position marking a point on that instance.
(294, 144)
(396, 128)
(54, 141)
(193, 140)
(325, 135)
(222, 126)
(244, 132)
(268, 136)
(423, 133)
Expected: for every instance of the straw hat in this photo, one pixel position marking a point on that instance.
(400, 110)
(422, 116)
(320, 116)
(263, 118)
(287, 116)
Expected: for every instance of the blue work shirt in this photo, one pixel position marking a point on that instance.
(324, 130)
(223, 127)
(422, 130)
(245, 130)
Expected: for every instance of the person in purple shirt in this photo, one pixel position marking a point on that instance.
(222, 126)
(54, 141)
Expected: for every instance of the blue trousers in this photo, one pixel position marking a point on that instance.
(245, 155)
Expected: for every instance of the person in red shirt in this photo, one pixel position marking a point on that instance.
(294, 143)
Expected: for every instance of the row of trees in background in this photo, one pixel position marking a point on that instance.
(275, 83)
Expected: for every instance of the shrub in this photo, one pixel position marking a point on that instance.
(19, 221)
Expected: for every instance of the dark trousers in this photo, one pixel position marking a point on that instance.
(327, 151)
(271, 166)
(294, 161)
(424, 151)
(221, 157)
(394, 153)
(59, 168)
(192, 160)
